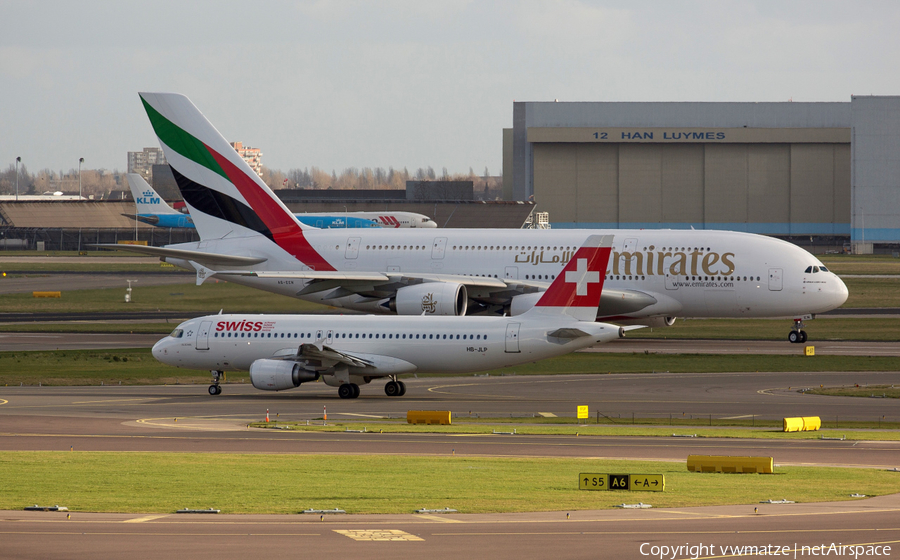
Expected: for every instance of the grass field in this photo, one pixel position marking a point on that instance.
(210, 297)
(93, 367)
(165, 482)
(137, 366)
(16, 269)
(615, 427)
(884, 391)
(861, 264)
(824, 328)
(161, 328)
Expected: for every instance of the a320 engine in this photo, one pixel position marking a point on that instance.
(278, 375)
(431, 298)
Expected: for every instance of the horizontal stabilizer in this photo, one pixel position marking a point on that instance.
(214, 259)
(565, 335)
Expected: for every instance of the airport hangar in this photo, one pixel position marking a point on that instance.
(818, 174)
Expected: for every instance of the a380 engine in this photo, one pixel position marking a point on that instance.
(522, 303)
(431, 298)
(278, 375)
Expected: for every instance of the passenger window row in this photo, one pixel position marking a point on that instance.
(344, 336)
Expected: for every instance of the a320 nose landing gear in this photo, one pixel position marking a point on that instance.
(797, 334)
(215, 388)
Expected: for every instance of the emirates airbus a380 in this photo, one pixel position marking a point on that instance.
(284, 351)
(249, 237)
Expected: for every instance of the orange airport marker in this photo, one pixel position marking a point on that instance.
(267, 415)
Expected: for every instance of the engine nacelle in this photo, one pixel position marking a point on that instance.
(652, 322)
(431, 298)
(522, 303)
(278, 375)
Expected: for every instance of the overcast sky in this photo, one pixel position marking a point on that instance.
(339, 84)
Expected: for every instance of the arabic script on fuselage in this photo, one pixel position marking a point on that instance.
(650, 262)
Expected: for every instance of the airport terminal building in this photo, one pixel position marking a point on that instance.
(826, 171)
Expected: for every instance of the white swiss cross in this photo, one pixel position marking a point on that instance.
(582, 277)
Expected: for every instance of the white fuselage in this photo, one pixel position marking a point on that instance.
(411, 343)
(690, 273)
(394, 220)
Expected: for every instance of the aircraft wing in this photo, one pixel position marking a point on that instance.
(370, 284)
(212, 259)
(313, 352)
(485, 290)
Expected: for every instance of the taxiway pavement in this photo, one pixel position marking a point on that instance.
(186, 419)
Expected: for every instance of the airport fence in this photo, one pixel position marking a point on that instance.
(82, 239)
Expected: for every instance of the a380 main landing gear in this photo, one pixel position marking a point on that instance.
(797, 334)
(395, 388)
(215, 388)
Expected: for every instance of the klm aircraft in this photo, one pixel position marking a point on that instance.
(153, 210)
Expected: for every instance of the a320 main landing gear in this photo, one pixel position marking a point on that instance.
(395, 388)
(348, 391)
(797, 334)
(215, 388)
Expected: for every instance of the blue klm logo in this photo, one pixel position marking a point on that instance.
(148, 198)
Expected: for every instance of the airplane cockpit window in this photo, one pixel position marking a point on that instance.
(808, 269)
(177, 333)
(815, 269)
(823, 269)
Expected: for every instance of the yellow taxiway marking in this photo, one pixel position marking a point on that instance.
(141, 533)
(394, 535)
(357, 414)
(440, 518)
(116, 400)
(3, 401)
(547, 414)
(145, 518)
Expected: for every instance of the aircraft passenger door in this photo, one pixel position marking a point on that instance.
(318, 335)
(438, 247)
(352, 248)
(203, 336)
(512, 338)
(329, 337)
(630, 247)
(775, 282)
(512, 273)
(671, 281)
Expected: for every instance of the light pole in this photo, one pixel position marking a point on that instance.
(80, 161)
(18, 159)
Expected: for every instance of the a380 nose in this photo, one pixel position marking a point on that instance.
(840, 293)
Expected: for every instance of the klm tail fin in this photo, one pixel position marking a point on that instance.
(576, 291)
(224, 195)
(146, 198)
